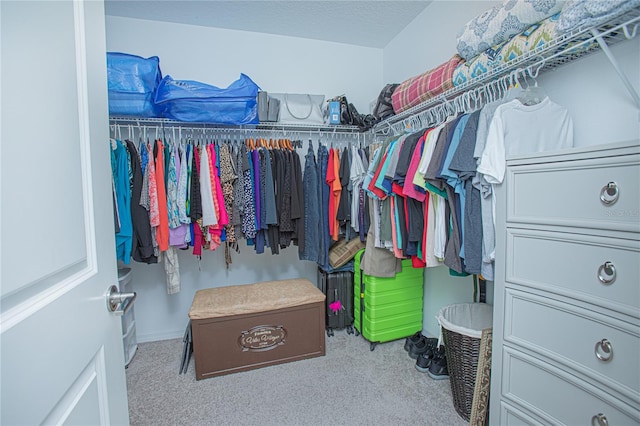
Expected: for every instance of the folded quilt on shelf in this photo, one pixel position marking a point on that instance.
(537, 37)
(577, 13)
(425, 86)
(498, 24)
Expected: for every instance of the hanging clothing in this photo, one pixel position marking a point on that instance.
(271, 214)
(120, 173)
(206, 190)
(172, 190)
(195, 198)
(216, 230)
(343, 213)
(535, 128)
(261, 237)
(333, 180)
(310, 185)
(528, 128)
(297, 201)
(324, 195)
(357, 172)
(183, 185)
(142, 249)
(172, 270)
(162, 231)
(177, 229)
(238, 190)
(227, 180)
(486, 192)
(455, 199)
(464, 165)
(249, 212)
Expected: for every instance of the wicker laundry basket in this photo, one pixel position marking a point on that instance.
(462, 326)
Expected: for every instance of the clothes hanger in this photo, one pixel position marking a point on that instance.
(476, 99)
(510, 85)
(437, 115)
(112, 140)
(532, 95)
(468, 102)
(493, 92)
(457, 105)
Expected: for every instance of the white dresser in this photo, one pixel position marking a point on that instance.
(566, 346)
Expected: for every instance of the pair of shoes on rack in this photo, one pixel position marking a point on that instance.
(419, 344)
(438, 366)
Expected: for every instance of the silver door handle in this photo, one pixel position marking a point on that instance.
(119, 303)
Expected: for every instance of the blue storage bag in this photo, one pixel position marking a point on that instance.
(192, 101)
(132, 82)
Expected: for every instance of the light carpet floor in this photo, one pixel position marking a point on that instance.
(350, 385)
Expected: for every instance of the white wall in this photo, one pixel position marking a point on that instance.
(216, 56)
(430, 39)
(276, 63)
(601, 107)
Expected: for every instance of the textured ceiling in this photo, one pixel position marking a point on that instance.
(362, 23)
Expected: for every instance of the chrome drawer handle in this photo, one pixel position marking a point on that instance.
(604, 350)
(609, 193)
(607, 273)
(599, 420)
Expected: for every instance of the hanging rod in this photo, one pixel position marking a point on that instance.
(274, 127)
(553, 54)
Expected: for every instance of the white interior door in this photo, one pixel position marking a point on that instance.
(61, 350)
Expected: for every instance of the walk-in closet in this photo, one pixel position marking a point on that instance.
(470, 256)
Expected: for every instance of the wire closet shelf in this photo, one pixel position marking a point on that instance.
(495, 83)
(175, 129)
(248, 128)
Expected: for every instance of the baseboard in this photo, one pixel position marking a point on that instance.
(166, 335)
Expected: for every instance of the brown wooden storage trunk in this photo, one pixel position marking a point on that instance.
(243, 327)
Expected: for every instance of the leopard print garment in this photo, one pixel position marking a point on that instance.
(227, 178)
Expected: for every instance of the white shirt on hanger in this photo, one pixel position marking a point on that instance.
(522, 129)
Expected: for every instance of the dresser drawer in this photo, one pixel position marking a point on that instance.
(568, 193)
(556, 396)
(576, 265)
(574, 336)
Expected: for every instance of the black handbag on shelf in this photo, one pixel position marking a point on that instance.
(349, 115)
(384, 107)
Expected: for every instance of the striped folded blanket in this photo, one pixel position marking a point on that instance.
(425, 86)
